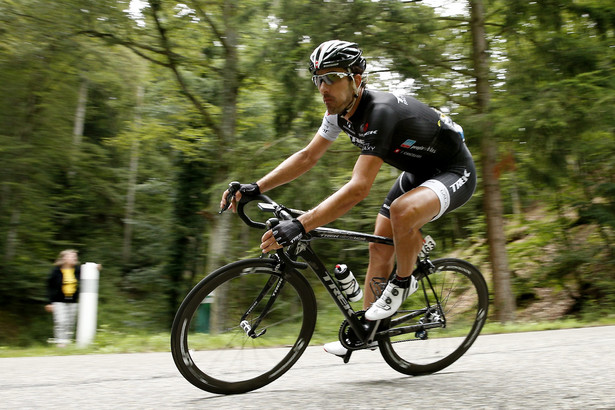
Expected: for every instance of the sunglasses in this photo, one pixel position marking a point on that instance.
(329, 78)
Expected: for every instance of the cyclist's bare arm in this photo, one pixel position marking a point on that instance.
(295, 165)
(291, 168)
(353, 192)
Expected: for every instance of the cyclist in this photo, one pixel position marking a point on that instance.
(438, 173)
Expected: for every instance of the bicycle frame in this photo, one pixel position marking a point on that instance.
(274, 297)
(365, 332)
(305, 251)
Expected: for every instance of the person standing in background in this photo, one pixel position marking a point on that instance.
(63, 294)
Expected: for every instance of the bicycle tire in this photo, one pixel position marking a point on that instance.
(464, 299)
(223, 358)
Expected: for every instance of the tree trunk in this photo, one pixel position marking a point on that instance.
(80, 112)
(132, 185)
(11, 237)
(504, 300)
(220, 233)
(503, 297)
(78, 125)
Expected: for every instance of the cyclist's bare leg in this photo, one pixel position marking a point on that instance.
(409, 213)
(381, 260)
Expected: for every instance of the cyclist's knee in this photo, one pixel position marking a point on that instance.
(410, 212)
(405, 216)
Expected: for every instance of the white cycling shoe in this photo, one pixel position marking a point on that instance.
(390, 300)
(337, 349)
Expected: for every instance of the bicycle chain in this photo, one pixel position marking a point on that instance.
(350, 341)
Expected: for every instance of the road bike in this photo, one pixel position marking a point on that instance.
(247, 323)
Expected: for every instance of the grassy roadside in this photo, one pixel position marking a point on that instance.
(116, 342)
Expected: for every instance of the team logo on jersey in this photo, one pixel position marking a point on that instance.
(408, 143)
(365, 126)
(361, 143)
(401, 99)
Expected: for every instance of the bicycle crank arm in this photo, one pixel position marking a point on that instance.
(372, 332)
(249, 331)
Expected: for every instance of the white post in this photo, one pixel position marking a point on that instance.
(88, 304)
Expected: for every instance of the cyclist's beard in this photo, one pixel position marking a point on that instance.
(335, 105)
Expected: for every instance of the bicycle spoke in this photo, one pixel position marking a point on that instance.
(447, 328)
(224, 357)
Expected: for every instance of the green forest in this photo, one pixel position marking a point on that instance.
(122, 122)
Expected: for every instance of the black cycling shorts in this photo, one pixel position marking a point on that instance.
(454, 186)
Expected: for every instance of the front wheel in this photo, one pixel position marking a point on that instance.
(243, 326)
(436, 325)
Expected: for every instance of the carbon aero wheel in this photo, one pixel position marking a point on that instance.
(437, 324)
(211, 341)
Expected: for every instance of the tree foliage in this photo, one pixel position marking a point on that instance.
(227, 95)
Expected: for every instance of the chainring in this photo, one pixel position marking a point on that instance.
(347, 336)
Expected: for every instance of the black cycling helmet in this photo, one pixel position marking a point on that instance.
(336, 53)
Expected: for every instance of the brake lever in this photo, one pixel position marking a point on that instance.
(233, 187)
(272, 222)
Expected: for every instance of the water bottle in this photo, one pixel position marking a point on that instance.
(348, 283)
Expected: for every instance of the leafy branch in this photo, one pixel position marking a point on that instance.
(173, 64)
(138, 49)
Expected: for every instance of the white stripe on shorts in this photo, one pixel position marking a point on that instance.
(442, 192)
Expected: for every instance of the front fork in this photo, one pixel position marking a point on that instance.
(275, 282)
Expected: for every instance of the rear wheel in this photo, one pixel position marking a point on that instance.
(243, 326)
(435, 326)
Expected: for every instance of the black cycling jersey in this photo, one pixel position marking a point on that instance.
(401, 130)
(415, 138)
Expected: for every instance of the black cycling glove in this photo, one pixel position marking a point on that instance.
(288, 232)
(250, 189)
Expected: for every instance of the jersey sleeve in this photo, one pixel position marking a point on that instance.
(329, 129)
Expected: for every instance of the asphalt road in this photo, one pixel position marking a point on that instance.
(563, 369)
